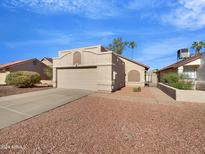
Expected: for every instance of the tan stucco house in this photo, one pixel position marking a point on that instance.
(96, 68)
(22, 65)
(47, 61)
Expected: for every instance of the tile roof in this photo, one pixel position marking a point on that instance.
(182, 62)
(2, 66)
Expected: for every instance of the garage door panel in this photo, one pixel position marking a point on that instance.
(85, 78)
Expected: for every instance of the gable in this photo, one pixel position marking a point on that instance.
(131, 64)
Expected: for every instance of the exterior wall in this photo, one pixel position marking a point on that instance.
(111, 69)
(196, 62)
(31, 65)
(201, 70)
(91, 56)
(183, 95)
(200, 84)
(118, 72)
(170, 91)
(129, 66)
(95, 49)
(3, 75)
(152, 78)
(47, 63)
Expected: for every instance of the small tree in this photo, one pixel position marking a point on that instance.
(198, 46)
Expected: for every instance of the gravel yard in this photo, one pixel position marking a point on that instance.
(102, 125)
(11, 90)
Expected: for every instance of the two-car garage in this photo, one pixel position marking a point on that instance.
(97, 69)
(77, 78)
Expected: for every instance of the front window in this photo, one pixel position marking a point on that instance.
(190, 72)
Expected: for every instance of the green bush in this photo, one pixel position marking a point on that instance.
(23, 79)
(136, 89)
(49, 72)
(182, 85)
(177, 81)
(171, 78)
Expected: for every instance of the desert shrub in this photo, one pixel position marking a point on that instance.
(182, 85)
(49, 72)
(23, 79)
(177, 81)
(136, 89)
(171, 78)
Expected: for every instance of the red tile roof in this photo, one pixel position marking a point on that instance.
(2, 66)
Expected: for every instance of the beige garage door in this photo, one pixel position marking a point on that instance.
(83, 78)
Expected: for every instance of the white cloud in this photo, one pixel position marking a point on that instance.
(190, 14)
(184, 14)
(88, 8)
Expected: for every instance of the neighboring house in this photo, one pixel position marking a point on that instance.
(187, 66)
(47, 61)
(152, 78)
(22, 65)
(201, 74)
(96, 68)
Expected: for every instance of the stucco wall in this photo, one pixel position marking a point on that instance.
(170, 91)
(152, 78)
(200, 83)
(111, 69)
(118, 72)
(183, 95)
(3, 77)
(201, 69)
(129, 66)
(31, 65)
(47, 63)
(89, 57)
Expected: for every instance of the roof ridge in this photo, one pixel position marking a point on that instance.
(134, 61)
(182, 62)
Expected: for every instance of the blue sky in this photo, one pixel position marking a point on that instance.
(40, 28)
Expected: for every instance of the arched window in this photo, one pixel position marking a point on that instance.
(76, 58)
(134, 76)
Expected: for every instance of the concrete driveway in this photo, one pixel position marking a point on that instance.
(23, 106)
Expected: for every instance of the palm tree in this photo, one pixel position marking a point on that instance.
(198, 46)
(117, 45)
(132, 45)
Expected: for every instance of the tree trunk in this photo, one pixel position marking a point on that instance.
(197, 51)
